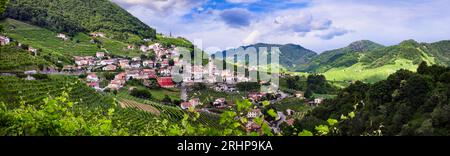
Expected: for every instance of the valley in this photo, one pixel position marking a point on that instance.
(85, 68)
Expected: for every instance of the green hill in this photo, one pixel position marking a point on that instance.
(291, 55)
(73, 16)
(377, 64)
(342, 57)
(54, 49)
(15, 59)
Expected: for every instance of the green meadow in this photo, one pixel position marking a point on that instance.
(363, 73)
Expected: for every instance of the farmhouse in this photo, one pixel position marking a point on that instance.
(62, 36)
(316, 102)
(190, 104)
(4, 40)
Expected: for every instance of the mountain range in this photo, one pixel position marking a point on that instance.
(360, 60)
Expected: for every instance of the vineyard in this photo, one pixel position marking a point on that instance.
(134, 112)
(50, 45)
(171, 113)
(15, 59)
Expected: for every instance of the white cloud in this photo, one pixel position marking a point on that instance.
(252, 38)
(320, 26)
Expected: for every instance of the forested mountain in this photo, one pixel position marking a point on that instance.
(342, 57)
(291, 55)
(72, 16)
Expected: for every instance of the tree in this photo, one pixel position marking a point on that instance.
(422, 67)
(171, 62)
(109, 76)
(141, 93)
(248, 86)
(167, 100)
(3, 4)
(292, 82)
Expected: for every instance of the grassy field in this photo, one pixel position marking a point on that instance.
(362, 73)
(295, 104)
(159, 94)
(48, 43)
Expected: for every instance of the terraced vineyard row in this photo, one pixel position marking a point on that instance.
(139, 113)
(174, 113)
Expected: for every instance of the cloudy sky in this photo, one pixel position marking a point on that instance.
(315, 24)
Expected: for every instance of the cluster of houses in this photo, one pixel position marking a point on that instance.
(131, 68)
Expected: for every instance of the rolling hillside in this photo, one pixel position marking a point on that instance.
(74, 16)
(361, 60)
(377, 64)
(342, 57)
(55, 49)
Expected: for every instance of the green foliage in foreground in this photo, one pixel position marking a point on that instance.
(406, 103)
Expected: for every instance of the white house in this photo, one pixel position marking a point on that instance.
(135, 64)
(62, 36)
(107, 62)
(98, 34)
(100, 54)
(148, 63)
(92, 77)
(4, 40)
(136, 59)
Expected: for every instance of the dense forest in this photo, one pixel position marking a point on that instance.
(72, 16)
(406, 103)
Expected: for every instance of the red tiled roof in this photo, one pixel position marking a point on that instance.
(165, 81)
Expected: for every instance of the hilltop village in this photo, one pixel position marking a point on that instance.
(154, 68)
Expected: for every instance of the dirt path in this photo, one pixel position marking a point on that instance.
(133, 104)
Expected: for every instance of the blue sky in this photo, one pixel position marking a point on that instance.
(318, 25)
